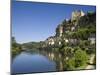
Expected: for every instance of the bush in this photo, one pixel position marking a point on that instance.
(94, 61)
(81, 58)
(70, 64)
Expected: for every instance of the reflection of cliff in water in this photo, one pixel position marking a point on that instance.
(52, 55)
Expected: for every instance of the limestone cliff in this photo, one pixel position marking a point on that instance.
(79, 20)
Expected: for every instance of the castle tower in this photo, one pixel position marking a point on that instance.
(77, 14)
(59, 31)
(82, 13)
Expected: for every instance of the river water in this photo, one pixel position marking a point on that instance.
(27, 62)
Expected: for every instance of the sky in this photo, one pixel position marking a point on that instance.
(35, 21)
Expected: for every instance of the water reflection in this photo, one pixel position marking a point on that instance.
(37, 61)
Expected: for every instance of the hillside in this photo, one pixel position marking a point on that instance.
(75, 30)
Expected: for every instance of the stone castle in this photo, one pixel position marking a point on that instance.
(77, 14)
(70, 25)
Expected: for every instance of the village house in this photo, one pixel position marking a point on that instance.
(92, 39)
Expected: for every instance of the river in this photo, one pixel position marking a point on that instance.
(33, 62)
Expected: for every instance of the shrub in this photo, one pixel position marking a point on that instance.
(70, 64)
(81, 58)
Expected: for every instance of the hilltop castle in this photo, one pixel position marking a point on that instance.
(65, 27)
(77, 14)
(70, 26)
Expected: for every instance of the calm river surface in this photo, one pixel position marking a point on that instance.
(27, 62)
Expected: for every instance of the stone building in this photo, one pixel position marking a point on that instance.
(77, 14)
(92, 38)
(50, 41)
(59, 31)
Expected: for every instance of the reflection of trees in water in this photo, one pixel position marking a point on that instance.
(54, 56)
(14, 55)
(51, 55)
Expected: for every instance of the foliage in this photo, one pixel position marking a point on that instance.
(81, 58)
(94, 61)
(32, 45)
(16, 48)
(70, 64)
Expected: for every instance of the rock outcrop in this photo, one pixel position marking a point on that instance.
(78, 20)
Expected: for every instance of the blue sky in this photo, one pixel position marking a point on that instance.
(33, 21)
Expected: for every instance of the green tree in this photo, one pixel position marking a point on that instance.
(94, 61)
(70, 64)
(16, 48)
(81, 58)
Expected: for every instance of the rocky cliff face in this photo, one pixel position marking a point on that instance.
(70, 25)
(79, 21)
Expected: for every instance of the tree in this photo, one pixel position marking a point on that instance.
(81, 58)
(64, 22)
(16, 48)
(70, 64)
(94, 61)
(13, 40)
